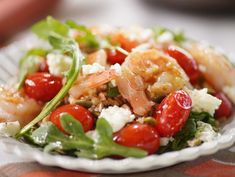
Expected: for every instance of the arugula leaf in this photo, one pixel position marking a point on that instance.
(29, 64)
(45, 27)
(112, 91)
(75, 140)
(177, 36)
(106, 147)
(203, 116)
(70, 47)
(86, 37)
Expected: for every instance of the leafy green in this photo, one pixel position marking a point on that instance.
(85, 36)
(45, 27)
(53, 140)
(178, 36)
(112, 91)
(70, 47)
(188, 131)
(29, 64)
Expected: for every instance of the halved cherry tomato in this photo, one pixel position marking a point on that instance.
(80, 113)
(172, 113)
(186, 61)
(43, 67)
(225, 109)
(42, 86)
(138, 135)
(114, 56)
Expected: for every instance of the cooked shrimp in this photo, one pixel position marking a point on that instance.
(15, 107)
(161, 73)
(218, 71)
(153, 70)
(86, 83)
(99, 57)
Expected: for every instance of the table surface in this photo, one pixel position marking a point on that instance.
(216, 29)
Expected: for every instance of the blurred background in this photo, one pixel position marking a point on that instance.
(210, 20)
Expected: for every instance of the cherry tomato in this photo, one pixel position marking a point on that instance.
(114, 56)
(172, 113)
(139, 135)
(225, 109)
(78, 112)
(43, 67)
(42, 86)
(186, 61)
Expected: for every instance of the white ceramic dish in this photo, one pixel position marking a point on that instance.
(8, 69)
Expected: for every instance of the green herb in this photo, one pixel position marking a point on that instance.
(29, 64)
(84, 103)
(70, 47)
(188, 131)
(112, 91)
(45, 27)
(177, 36)
(53, 140)
(85, 36)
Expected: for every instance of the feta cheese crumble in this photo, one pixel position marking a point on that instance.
(117, 117)
(166, 37)
(9, 128)
(205, 133)
(203, 102)
(117, 67)
(58, 63)
(91, 69)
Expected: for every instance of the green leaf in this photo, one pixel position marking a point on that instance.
(45, 27)
(178, 36)
(188, 131)
(70, 46)
(86, 37)
(112, 91)
(73, 127)
(29, 64)
(105, 145)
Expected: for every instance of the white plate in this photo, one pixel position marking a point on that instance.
(8, 68)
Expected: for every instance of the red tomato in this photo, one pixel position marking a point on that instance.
(225, 109)
(78, 112)
(172, 113)
(42, 86)
(114, 56)
(186, 61)
(138, 135)
(44, 67)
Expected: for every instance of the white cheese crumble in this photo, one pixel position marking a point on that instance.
(166, 37)
(165, 140)
(203, 102)
(117, 67)
(205, 133)
(117, 117)
(91, 69)
(58, 63)
(230, 92)
(9, 128)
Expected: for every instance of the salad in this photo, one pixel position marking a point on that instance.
(100, 91)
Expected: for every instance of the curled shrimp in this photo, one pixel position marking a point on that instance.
(84, 84)
(153, 70)
(16, 107)
(99, 57)
(217, 69)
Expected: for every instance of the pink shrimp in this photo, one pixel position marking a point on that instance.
(151, 70)
(16, 107)
(85, 83)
